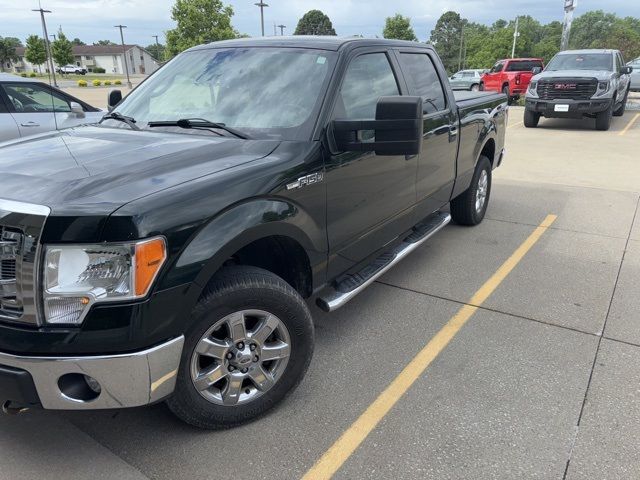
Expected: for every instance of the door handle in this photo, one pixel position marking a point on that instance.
(30, 124)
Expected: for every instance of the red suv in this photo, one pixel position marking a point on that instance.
(511, 76)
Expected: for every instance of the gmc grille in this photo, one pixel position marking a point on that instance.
(566, 89)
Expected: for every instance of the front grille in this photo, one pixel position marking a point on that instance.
(21, 226)
(567, 89)
(11, 243)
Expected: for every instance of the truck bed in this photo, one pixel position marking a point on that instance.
(466, 99)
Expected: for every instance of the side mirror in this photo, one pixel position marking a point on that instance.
(536, 70)
(626, 70)
(77, 109)
(397, 128)
(113, 99)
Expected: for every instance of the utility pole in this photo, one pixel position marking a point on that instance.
(569, 7)
(282, 27)
(460, 53)
(54, 36)
(516, 34)
(124, 54)
(47, 45)
(157, 46)
(274, 29)
(262, 6)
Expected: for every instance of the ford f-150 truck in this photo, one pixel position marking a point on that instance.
(510, 76)
(579, 83)
(167, 252)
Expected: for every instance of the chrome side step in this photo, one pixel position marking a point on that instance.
(335, 296)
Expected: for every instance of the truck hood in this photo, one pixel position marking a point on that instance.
(600, 75)
(94, 170)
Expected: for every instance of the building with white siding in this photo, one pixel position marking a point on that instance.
(109, 57)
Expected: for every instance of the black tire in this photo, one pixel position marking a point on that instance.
(475, 87)
(463, 207)
(481, 87)
(603, 119)
(234, 289)
(620, 110)
(531, 118)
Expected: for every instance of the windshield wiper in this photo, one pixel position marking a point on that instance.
(121, 118)
(198, 123)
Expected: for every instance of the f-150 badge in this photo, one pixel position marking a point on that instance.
(306, 180)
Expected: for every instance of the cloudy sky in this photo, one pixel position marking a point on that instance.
(92, 20)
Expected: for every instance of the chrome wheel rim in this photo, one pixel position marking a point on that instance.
(241, 357)
(481, 191)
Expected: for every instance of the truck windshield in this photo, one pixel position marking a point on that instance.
(265, 92)
(581, 61)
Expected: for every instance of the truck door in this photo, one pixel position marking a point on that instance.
(493, 79)
(8, 126)
(437, 160)
(370, 198)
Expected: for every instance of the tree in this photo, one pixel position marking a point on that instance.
(77, 42)
(446, 36)
(549, 45)
(62, 50)
(36, 52)
(314, 22)
(592, 29)
(8, 54)
(399, 27)
(104, 42)
(156, 51)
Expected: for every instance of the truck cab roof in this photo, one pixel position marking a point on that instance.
(332, 43)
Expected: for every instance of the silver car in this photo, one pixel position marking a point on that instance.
(28, 107)
(466, 80)
(635, 74)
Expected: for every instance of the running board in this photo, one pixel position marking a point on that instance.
(335, 296)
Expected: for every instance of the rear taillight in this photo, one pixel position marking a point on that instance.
(518, 79)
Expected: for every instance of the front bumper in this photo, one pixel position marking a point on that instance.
(576, 107)
(126, 380)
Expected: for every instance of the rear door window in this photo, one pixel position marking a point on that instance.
(424, 81)
(497, 68)
(523, 65)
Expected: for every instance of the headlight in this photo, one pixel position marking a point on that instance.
(77, 276)
(603, 87)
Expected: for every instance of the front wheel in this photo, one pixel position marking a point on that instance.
(250, 345)
(620, 110)
(470, 207)
(603, 119)
(475, 87)
(531, 119)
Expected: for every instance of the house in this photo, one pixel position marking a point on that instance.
(109, 57)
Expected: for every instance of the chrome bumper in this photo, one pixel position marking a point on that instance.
(128, 380)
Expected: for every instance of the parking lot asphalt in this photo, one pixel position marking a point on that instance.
(542, 381)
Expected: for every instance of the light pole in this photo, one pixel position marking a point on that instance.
(516, 34)
(53, 35)
(460, 53)
(124, 54)
(282, 27)
(569, 7)
(47, 45)
(262, 6)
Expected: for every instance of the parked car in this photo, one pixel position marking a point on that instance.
(635, 75)
(510, 76)
(165, 254)
(579, 83)
(466, 80)
(28, 107)
(73, 69)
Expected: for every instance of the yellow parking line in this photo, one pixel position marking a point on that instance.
(349, 441)
(630, 124)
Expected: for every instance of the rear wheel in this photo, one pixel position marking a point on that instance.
(505, 90)
(250, 345)
(531, 118)
(603, 119)
(470, 207)
(481, 87)
(475, 87)
(620, 110)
